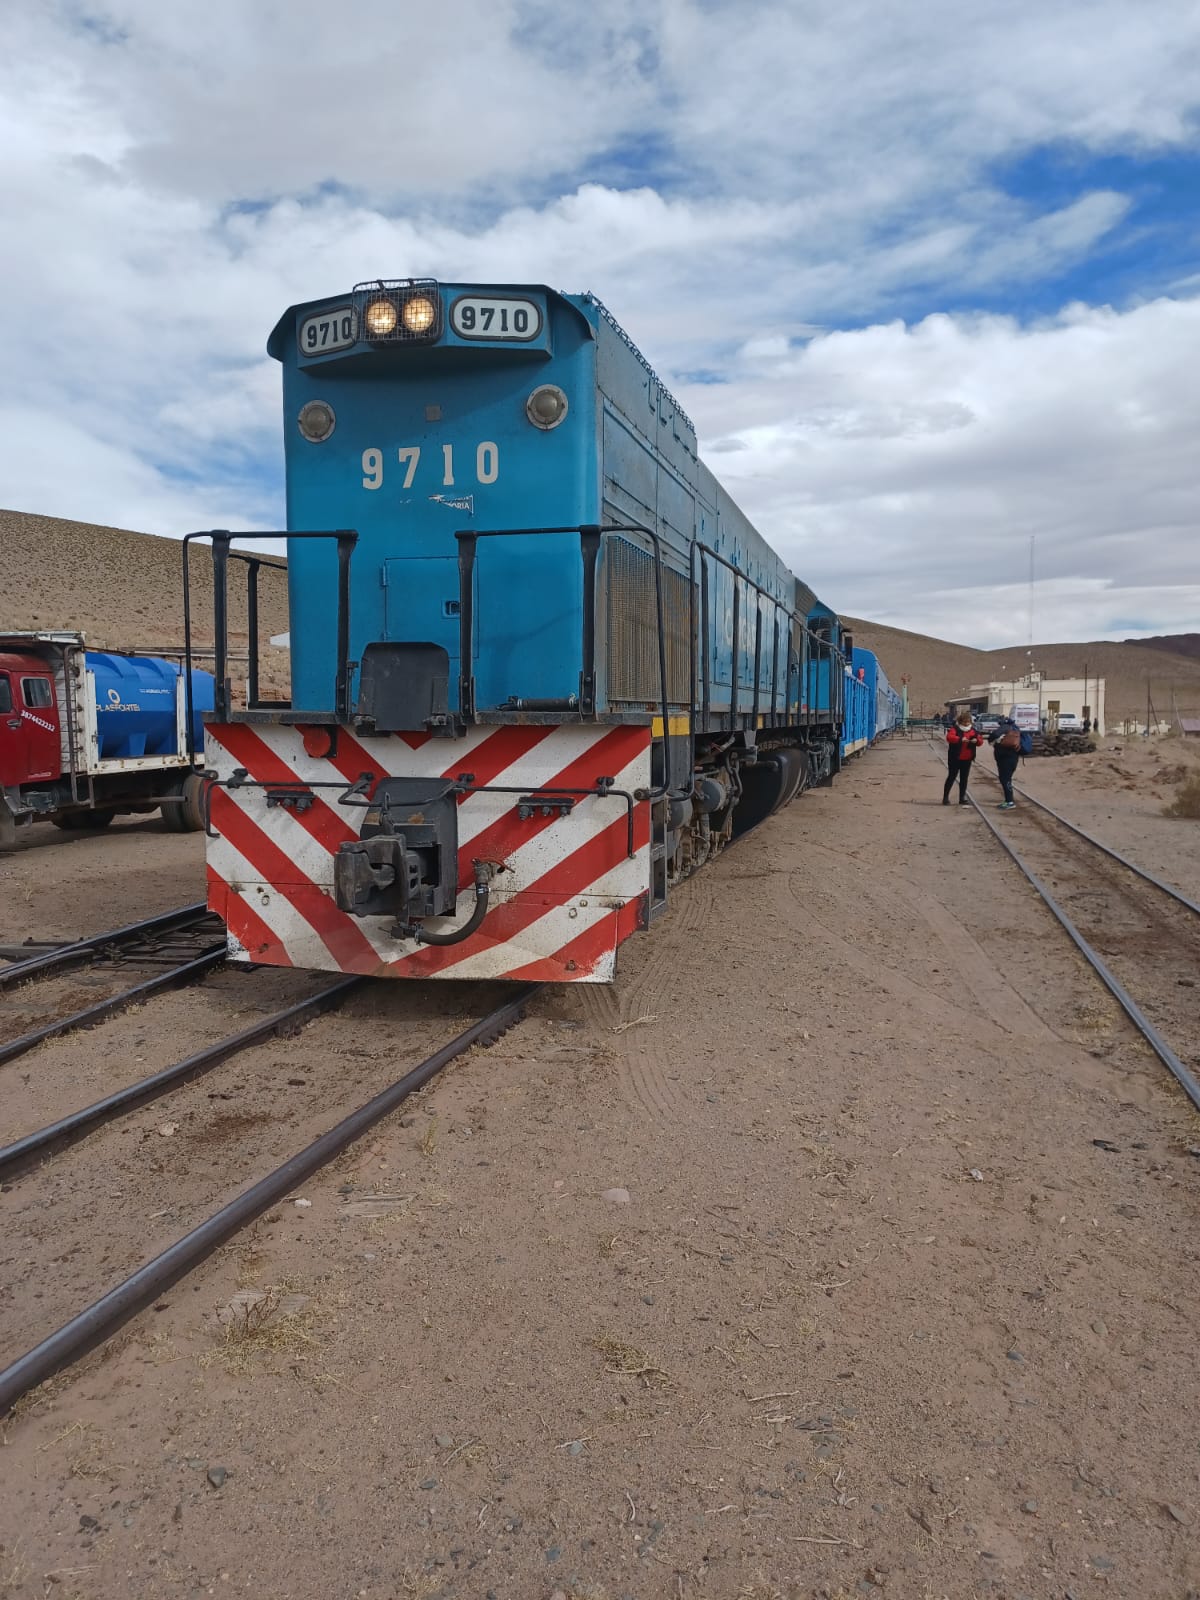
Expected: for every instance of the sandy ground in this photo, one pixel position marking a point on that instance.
(1119, 794)
(878, 1314)
(56, 885)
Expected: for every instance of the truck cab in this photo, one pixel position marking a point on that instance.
(30, 740)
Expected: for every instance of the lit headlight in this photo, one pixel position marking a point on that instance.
(316, 421)
(546, 406)
(380, 318)
(419, 313)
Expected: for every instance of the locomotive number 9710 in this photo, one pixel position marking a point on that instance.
(487, 464)
(485, 317)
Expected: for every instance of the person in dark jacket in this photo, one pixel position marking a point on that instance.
(1006, 746)
(962, 741)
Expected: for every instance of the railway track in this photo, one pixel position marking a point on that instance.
(168, 951)
(1140, 935)
(98, 1321)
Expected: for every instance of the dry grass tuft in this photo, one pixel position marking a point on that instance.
(1187, 800)
(428, 1144)
(627, 1361)
(259, 1325)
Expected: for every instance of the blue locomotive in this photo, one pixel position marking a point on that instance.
(543, 667)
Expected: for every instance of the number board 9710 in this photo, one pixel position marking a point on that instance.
(328, 330)
(476, 316)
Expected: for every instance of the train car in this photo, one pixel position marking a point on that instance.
(880, 710)
(86, 735)
(543, 667)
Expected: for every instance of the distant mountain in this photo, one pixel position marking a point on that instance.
(1180, 644)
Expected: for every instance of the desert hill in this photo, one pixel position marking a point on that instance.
(124, 590)
(1179, 644)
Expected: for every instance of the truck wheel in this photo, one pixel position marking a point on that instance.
(72, 821)
(189, 816)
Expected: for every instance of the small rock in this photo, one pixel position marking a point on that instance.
(647, 1299)
(976, 1174)
(559, 1594)
(1176, 1515)
(428, 1483)
(1102, 1563)
(407, 1122)
(217, 1476)
(302, 1205)
(936, 1486)
(1015, 1355)
(1107, 1144)
(616, 1197)
(575, 1448)
(1029, 1507)
(444, 1441)
(88, 1524)
(168, 1130)
(553, 1554)
(1100, 1328)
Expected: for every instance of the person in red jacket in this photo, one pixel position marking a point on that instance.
(962, 742)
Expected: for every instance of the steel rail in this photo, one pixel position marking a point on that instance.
(105, 1316)
(1132, 1010)
(90, 1016)
(1116, 855)
(67, 1130)
(72, 955)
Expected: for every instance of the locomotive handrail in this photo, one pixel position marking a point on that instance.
(590, 536)
(222, 539)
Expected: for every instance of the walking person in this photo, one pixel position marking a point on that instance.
(1007, 746)
(962, 741)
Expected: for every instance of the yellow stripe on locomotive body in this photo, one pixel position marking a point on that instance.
(499, 525)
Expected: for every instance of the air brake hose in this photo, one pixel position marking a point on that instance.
(419, 932)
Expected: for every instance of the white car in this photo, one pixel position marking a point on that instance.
(1068, 722)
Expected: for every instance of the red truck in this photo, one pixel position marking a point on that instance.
(85, 735)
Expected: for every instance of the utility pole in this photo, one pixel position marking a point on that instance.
(1032, 537)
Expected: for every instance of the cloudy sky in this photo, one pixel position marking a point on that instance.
(927, 277)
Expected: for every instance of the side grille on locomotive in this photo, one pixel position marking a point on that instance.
(632, 614)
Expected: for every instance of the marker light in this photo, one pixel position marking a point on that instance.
(316, 421)
(419, 313)
(546, 406)
(380, 318)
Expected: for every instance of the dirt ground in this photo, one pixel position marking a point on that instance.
(789, 1266)
(1119, 794)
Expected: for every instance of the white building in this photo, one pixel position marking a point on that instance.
(1082, 697)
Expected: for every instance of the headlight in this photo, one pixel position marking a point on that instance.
(316, 421)
(546, 406)
(419, 314)
(380, 318)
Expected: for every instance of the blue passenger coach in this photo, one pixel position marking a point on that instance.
(543, 667)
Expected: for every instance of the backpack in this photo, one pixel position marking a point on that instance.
(1026, 743)
(1013, 739)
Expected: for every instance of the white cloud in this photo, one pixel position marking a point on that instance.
(904, 469)
(735, 181)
